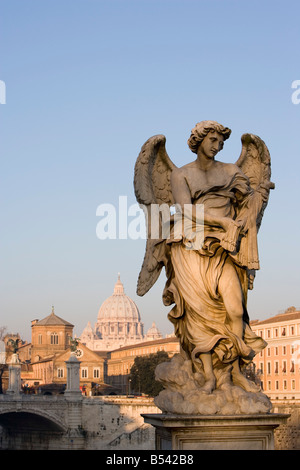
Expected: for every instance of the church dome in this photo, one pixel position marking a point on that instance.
(153, 333)
(87, 334)
(119, 307)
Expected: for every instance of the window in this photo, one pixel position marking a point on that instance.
(292, 366)
(60, 372)
(276, 367)
(285, 384)
(96, 373)
(269, 385)
(284, 350)
(269, 352)
(277, 385)
(276, 332)
(269, 333)
(84, 373)
(292, 330)
(293, 384)
(283, 331)
(276, 351)
(54, 338)
(284, 367)
(269, 367)
(40, 339)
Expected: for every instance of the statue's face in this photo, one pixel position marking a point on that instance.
(211, 144)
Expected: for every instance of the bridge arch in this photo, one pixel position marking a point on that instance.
(27, 430)
(27, 421)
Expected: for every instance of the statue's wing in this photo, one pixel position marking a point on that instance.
(152, 185)
(255, 163)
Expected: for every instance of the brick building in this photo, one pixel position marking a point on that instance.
(44, 359)
(51, 335)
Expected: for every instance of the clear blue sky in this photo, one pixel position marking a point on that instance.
(87, 83)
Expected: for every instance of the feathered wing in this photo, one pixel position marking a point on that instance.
(255, 163)
(152, 185)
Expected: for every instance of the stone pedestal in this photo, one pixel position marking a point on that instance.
(215, 432)
(73, 379)
(74, 397)
(14, 370)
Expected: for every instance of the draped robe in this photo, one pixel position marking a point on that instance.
(199, 315)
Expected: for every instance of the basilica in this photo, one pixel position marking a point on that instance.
(118, 324)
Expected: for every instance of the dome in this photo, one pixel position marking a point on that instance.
(87, 334)
(88, 328)
(119, 307)
(153, 332)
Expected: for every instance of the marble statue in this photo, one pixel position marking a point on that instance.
(73, 345)
(207, 282)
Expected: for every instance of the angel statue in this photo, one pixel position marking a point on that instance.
(207, 283)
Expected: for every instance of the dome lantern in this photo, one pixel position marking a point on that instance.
(119, 288)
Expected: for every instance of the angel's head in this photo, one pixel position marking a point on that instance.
(201, 130)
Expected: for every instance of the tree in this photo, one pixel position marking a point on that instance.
(3, 366)
(142, 374)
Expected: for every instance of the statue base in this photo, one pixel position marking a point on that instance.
(215, 432)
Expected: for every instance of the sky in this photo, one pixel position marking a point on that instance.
(87, 82)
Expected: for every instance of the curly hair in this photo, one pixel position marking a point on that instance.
(202, 129)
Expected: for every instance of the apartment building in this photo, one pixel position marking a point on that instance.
(278, 365)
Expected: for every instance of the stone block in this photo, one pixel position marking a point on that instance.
(215, 432)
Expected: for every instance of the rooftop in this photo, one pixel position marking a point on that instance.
(171, 339)
(290, 314)
(52, 319)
